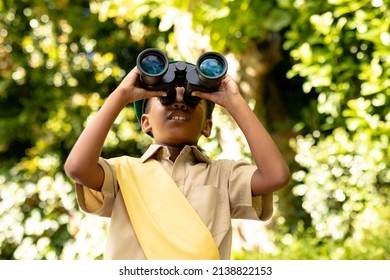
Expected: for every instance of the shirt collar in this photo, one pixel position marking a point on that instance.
(157, 151)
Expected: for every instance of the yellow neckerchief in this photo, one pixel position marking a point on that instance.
(166, 225)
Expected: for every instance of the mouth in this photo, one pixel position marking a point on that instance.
(178, 116)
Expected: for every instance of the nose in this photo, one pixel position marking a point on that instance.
(179, 101)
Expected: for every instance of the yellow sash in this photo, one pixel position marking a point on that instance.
(166, 225)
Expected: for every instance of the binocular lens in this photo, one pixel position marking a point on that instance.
(212, 67)
(153, 64)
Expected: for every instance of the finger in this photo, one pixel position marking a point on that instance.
(160, 93)
(155, 93)
(200, 94)
(213, 97)
(132, 76)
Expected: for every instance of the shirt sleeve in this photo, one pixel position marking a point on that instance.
(243, 204)
(99, 202)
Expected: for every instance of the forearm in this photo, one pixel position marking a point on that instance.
(273, 172)
(82, 162)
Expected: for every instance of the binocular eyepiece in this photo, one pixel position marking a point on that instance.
(158, 73)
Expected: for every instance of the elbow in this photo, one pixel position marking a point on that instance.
(71, 169)
(278, 182)
(282, 178)
(285, 178)
(89, 175)
(271, 181)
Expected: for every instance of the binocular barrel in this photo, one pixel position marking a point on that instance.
(153, 64)
(211, 68)
(158, 73)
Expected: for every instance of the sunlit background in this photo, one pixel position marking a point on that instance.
(316, 72)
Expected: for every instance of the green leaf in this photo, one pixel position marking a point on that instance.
(277, 20)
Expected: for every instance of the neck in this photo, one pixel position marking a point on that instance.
(174, 152)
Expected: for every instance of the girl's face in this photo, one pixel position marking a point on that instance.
(176, 124)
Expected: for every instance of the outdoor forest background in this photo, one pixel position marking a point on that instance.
(316, 72)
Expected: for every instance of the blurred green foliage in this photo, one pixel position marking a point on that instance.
(342, 49)
(58, 62)
(60, 59)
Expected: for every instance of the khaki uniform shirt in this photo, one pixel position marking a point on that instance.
(218, 190)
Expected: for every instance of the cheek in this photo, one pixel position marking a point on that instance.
(202, 117)
(157, 113)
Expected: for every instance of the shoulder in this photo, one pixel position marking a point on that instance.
(229, 163)
(123, 160)
(232, 168)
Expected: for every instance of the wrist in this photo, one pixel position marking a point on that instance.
(236, 105)
(121, 96)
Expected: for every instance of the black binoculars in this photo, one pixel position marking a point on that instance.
(158, 73)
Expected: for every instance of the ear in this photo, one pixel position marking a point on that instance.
(207, 128)
(146, 124)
